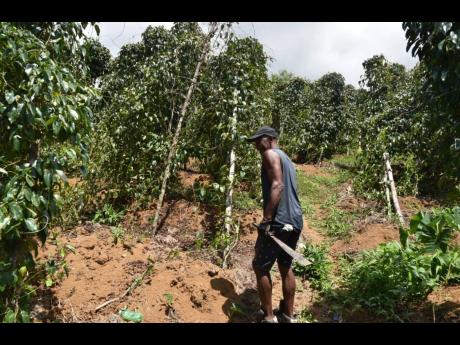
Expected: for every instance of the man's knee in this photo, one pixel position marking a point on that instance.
(261, 269)
(285, 269)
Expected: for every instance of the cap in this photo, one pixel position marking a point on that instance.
(263, 131)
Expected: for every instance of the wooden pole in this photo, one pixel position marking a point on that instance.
(394, 195)
(231, 178)
(387, 193)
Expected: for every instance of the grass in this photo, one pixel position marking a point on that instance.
(320, 192)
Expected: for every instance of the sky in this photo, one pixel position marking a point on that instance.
(308, 50)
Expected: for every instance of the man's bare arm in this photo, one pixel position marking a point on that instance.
(272, 164)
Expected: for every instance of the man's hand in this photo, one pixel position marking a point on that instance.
(264, 227)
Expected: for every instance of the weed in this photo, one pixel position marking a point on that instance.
(117, 233)
(236, 310)
(306, 317)
(319, 272)
(108, 215)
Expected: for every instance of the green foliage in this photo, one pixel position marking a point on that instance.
(235, 84)
(413, 114)
(142, 95)
(117, 233)
(244, 201)
(108, 215)
(386, 279)
(98, 59)
(42, 104)
(200, 240)
(212, 194)
(306, 317)
(315, 119)
(437, 45)
(319, 272)
(169, 299)
(337, 223)
(394, 120)
(236, 310)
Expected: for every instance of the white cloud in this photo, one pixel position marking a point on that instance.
(114, 35)
(306, 49)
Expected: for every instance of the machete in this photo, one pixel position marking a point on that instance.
(292, 253)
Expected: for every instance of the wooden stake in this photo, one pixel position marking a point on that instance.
(173, 147)
(231, 176)
(387, 193)
(394, 195)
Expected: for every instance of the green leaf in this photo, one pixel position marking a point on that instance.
(98, 30)
(10, 317)
(29, 181)
(403, 235)
(56, 127)
(16, 210)
(16, 143)
(35, 200)
(27, 193)
(28, 69)
(4, 223)
(51, 120)
(63, 177)
(9, 97)
(49, 282)
(130, 315)
(48, 178)
(65, 85)
(3, 171)
(25, 317)
(73, 113)
(71, 153)
(31, 224)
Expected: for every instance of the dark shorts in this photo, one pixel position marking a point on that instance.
(267, 251)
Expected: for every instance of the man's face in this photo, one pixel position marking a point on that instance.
(262, 144)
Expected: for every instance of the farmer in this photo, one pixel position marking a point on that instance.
(282, 215)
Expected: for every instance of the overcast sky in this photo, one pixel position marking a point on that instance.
(308, 50)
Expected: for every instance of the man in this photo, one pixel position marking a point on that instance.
(282, 215)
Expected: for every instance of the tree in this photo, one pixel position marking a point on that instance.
(42, 103)
(437, 44)
(98, 59)
(142, 94)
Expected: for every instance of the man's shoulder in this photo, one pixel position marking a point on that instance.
(270, 159)
(270, 154)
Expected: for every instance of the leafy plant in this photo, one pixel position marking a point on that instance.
(319, 272)
(108, 215)
(117, 233)
(236, 310)
(169, 299)
(199, 241)
(306, 317)
(337, 223)
(385, 280)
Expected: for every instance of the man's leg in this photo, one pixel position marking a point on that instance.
(264, 287)
(289, 284)
(266, 252)
(287, 275)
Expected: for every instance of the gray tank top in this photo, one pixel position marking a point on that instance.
(289, 210)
